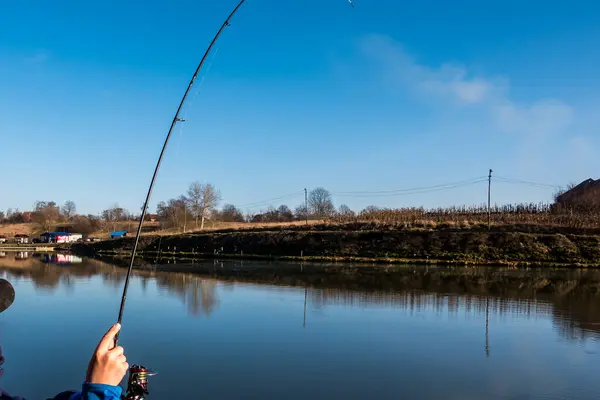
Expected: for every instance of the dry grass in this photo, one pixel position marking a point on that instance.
(465, 217)
(16, 229)
(218, 226)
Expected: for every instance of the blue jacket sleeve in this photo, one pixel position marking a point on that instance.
(96, 391)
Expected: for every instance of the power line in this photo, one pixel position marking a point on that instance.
(528, 183)
(402, 192)
(406, 192)
(411, 189)
(270, 201)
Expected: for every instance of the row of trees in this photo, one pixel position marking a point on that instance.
(201, 203)
(45, 213)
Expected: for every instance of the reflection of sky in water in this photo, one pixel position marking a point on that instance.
(221, 340)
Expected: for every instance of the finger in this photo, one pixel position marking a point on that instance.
(108, 340)
(117, 351)
(121, 359)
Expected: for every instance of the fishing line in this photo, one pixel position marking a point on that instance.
(191, 103)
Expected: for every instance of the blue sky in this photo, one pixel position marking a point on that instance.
(387, 95)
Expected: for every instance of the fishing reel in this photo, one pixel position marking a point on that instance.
(137, 384)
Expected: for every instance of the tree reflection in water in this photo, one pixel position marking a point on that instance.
(576, 316)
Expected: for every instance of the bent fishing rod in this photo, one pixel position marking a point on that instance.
(137, 382)
(176, 119)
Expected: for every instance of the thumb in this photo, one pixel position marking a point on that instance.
(108, 340)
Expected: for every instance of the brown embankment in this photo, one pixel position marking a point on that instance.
(363, 242)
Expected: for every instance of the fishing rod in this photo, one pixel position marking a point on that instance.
(176, 119)
(137, 383)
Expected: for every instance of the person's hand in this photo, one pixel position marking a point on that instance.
(108, 365)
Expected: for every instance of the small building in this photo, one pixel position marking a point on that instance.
(118, 234)
(586, 195)
(60, 237)
(64, 228)
(22, 238)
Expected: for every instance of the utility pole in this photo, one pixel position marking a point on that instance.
(490, 200)
(306, 205)
(184, 217)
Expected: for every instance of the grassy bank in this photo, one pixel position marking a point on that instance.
(366, 243)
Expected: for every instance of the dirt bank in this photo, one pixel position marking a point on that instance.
(471, 246)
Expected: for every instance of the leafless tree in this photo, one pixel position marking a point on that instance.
(300, 213)
(345, 212)
(202, 200)
(115, 214)
(285, 214)
(564, 190)
(69, 209)
(174, 212)
(194, 200)
(46, 214)
(230, 213)
(320, 203)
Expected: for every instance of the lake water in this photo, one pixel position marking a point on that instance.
(223, 340)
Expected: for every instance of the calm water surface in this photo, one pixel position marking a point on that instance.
(224, 340)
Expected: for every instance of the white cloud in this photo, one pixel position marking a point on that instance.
(449, 81)
(454, 83)
(539, 131)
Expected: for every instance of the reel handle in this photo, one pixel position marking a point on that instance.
(137, 383)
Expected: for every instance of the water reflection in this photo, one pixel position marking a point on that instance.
(61, 259)
(575, 316)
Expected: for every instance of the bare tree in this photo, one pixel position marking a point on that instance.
(300, 213)
(69, 209)
(345, 212)
(202, 200)
(230, 213)
(115, 214)
(557, 195)
(210, 200)
(194, 200)
(46, 214)
(285, 214)
(174, 212)
(320, 203)
(2, 217)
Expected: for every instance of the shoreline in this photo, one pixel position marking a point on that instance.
(187, 257)
(356, 244)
